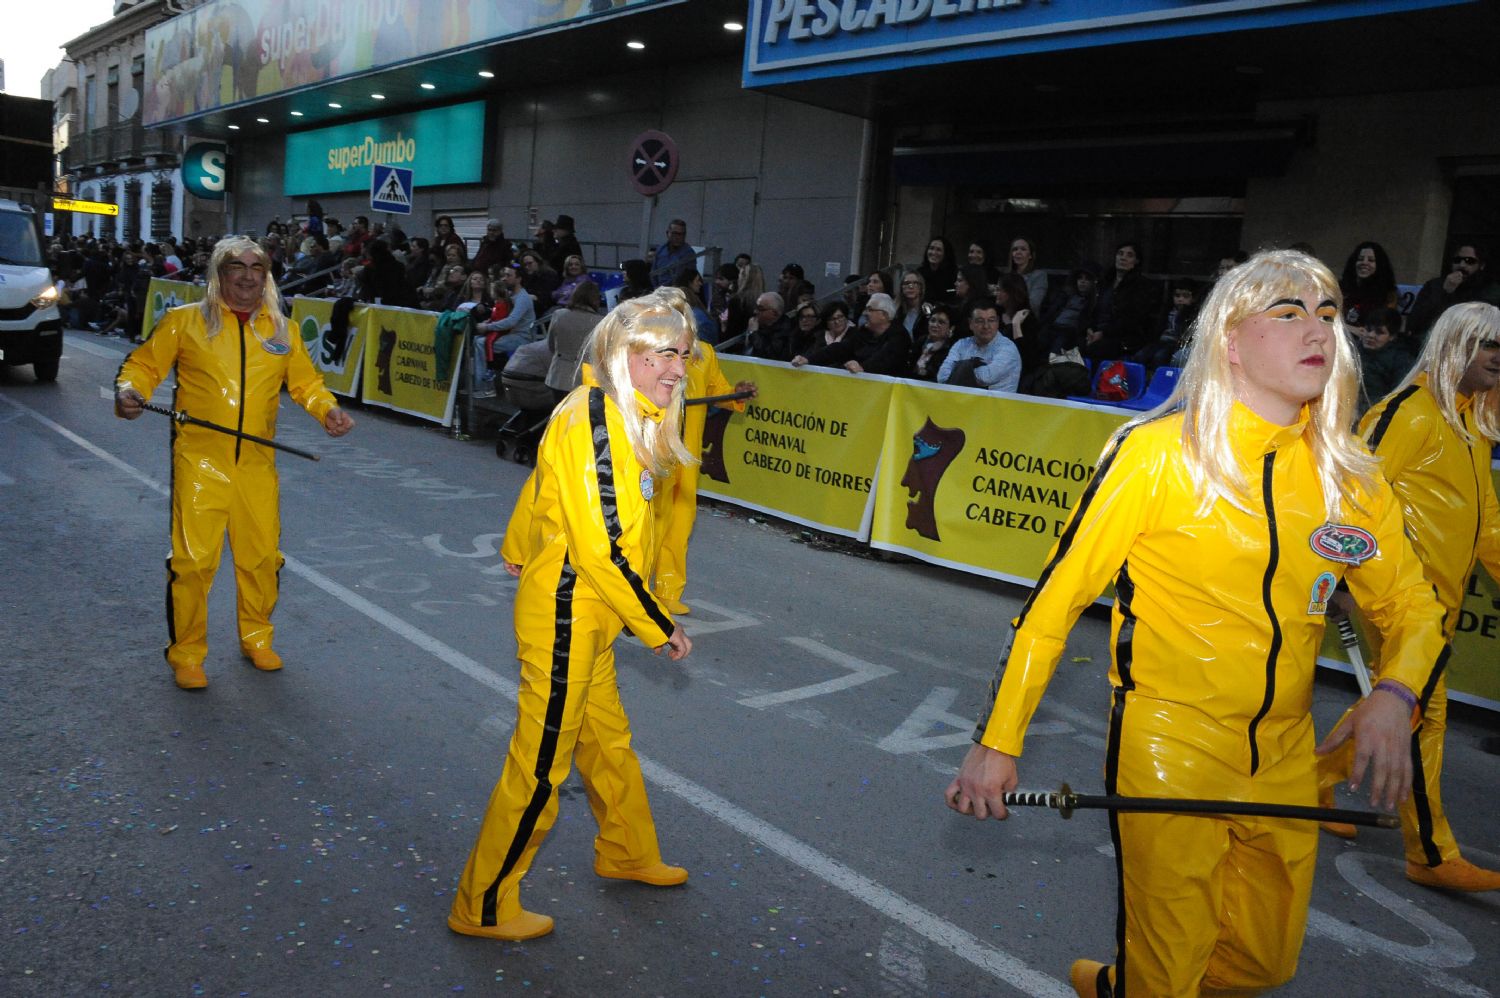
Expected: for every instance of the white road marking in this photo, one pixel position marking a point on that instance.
(861, 672)
(1445, 946)
(91, 348)
(999, 964)
(912, 734)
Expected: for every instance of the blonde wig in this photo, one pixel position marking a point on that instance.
(1452, 343)
(648, 323)
(1205, 392)
(227, 250)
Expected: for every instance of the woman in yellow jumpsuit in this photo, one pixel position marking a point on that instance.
(1433, 436)
(1224, 519)
(233, 353)
(582, 541)
(677, 502)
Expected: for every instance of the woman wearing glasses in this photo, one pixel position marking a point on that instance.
(912, 307)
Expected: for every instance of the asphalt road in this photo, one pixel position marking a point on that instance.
(301, 832)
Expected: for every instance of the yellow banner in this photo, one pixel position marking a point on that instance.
(983, 482)
(164, 295)
(805, 450)
(336, 353)
(85, 207)
(400, 369)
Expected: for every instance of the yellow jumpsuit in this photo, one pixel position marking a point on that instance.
(1448, 498)
(234, 380)
(677, 502)
(1215, 631)
(583, 533)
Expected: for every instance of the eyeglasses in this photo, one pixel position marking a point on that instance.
(236, 268)
(1469, 260)
(910, 284)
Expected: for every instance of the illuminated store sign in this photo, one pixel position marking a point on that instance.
(444, 145)
(806, 39)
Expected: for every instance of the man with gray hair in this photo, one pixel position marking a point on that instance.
(233, 351)
(494, 249)
(769, 332)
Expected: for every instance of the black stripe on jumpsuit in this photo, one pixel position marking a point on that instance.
(604, 466)
(546, 753)
(1267, 495)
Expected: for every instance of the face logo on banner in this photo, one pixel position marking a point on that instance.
(383, 361)
(933, 450)
(160, 303)
(712, 456)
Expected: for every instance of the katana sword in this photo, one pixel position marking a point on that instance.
(1065, 802)
(711, 399)
(1350, 641)
(182, 417)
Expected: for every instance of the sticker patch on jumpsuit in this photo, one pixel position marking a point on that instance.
(1342, 543)
(271, 346)
(648, 485)
(1322, 589)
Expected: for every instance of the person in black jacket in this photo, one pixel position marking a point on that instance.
(880, 346)
(1127, 301)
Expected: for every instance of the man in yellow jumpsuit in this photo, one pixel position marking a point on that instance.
(1433, 436)
(582, 540)
(677, 502)
(233, 352)
(1224, 519)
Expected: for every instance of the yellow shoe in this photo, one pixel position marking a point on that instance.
(675, 606)
(1456, 874)
(657, 874)
(263, 659)
(1090, 979)
(526, 925)
(189, 677)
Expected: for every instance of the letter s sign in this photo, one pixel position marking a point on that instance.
(205, 167)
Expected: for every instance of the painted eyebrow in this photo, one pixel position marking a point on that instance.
(1287, 301)
(1327, 303)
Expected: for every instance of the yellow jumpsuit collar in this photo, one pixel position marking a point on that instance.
(1256, 435)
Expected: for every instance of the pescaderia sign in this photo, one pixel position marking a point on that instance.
(229, 52)
(445, 145)
(808, 39)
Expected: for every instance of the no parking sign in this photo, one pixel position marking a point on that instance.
(653, 162)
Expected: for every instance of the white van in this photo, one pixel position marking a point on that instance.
(30, 322)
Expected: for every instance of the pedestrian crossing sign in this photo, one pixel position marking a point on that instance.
(390, 189)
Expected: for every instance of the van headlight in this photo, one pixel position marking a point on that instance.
(46, 299)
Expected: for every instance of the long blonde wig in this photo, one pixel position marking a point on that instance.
(226, 250)
(1206, 394)
(635, 326)
(1452, 343)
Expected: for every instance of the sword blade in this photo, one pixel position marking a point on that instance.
(182, 417)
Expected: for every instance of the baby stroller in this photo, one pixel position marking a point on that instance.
(526, 391)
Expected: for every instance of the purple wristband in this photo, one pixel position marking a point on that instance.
(1407, 696)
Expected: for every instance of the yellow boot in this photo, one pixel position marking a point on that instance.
(1342, 829)
(657, 874)
(526, 925)
(1456, 874)
(1091, 979)
(189, 677)
(263, 659)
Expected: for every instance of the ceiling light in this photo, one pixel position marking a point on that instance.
(429, 86)
(635, 45)
(264, 121)
(234, 128)
(296, 114)
(733, 26)
(377, 96)
(334, 105)
(486, 74)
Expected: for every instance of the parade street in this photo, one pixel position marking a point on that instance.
(302, 832)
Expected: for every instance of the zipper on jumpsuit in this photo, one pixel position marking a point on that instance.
(240, 424)
(1268, 496)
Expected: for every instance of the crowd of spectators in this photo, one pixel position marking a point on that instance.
(1001, 324)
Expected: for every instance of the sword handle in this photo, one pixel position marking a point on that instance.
(180, 417)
